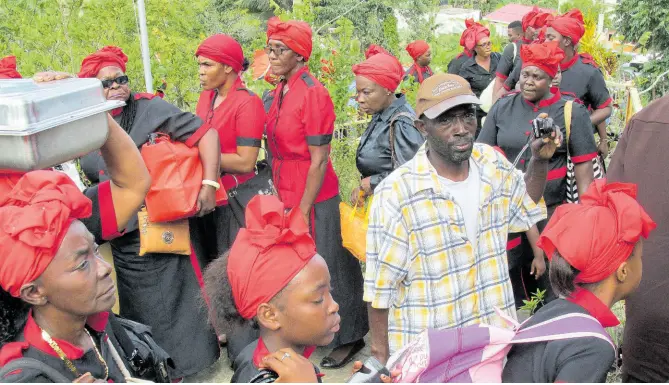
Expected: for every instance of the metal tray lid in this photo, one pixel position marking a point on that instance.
(27, 107)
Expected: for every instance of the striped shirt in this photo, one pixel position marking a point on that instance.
(420, 263)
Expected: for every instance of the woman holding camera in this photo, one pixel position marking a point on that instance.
(508, 125)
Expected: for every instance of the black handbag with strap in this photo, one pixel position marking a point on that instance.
(240, 196)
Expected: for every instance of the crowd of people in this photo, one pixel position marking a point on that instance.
(484, 190)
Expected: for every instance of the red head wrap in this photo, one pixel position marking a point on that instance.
(570, 25)
(223, 49)
(384, 70)
(546, 56)
(34, 218)
(8, 68)
(417, 48)
(375, 49)
(529, 17)
(105, 57)
(473, 34)
(542, 19)
(296, 35)
(598, 234)
(272, 249)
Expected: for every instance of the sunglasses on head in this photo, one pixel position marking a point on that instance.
(121, 80)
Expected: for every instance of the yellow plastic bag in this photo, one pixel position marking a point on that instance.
(354, 222)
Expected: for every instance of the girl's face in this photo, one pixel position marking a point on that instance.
(307, 314)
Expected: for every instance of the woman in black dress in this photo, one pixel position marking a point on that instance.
(392, 124)
(159, 290)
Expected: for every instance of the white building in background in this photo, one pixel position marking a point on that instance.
(448, 20)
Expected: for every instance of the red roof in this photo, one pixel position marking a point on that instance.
(512, 12)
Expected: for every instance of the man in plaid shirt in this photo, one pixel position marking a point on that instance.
(436, 244)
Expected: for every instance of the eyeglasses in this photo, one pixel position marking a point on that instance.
(121, 80)
(485, 45)
(278, 51)
(449, 121)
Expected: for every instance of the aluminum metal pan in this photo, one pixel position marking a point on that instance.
(27, 107)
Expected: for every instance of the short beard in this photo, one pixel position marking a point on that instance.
(448, 152)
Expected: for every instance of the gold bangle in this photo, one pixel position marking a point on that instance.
(207, 182)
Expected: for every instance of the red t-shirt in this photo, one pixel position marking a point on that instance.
(300, 117)
(239, 120)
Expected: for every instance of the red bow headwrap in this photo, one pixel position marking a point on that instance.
(375, 49)
(542, 19)
(384, 70)
(473, 34)
(267, 254)
(105, 57)
(296, 35)
(417, 48)
(34, 218)
(529, 17)
(546, 56)
(570, 25)
(222, 49)
(8, 68)
(598, 234)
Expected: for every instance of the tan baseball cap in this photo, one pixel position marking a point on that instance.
(441, 92)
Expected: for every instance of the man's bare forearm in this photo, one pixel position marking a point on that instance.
(378, 322)
(535, 178)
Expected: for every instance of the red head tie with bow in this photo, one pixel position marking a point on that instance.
(571, 25)
(266, 255)
(296, 35)
(473, 34)
(384, 70)
(600, 233)
(34, 218)
(547, 56)
(222, 49)
(106, 57)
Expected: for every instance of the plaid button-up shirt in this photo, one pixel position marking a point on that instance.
(420, 264)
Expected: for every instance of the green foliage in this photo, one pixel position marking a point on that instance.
(535, 301)
(646, 23)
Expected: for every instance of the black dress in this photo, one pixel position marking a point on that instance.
(479, 79)
(373, 157)
(161, 290)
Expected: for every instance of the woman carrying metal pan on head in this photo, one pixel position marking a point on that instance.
(159, 290)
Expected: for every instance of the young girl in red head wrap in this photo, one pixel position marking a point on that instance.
(421, 54)
(595, 252)
(273, 279)
(300, 125)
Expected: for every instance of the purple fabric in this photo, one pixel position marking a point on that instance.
(453, 352)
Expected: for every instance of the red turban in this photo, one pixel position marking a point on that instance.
(473, 34)
(547, 56)
(105, 57)
(375, 49)
(529, 17)
(384, 70)
(267, 254)
(598, 234)
(417, 48)
(570, 25)
(542, 19)
(34, 218)
(222, 49)
(296, 35)
(8, 68)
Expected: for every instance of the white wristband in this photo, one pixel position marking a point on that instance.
(207, 182)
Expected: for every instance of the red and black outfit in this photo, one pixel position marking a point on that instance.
(248, 361)
(302, 115)
(240, 121)
(417, 49)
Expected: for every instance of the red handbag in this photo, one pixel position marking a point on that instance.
(176, 179)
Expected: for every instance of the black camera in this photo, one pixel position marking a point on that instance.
(543, 127)
(370, 373)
